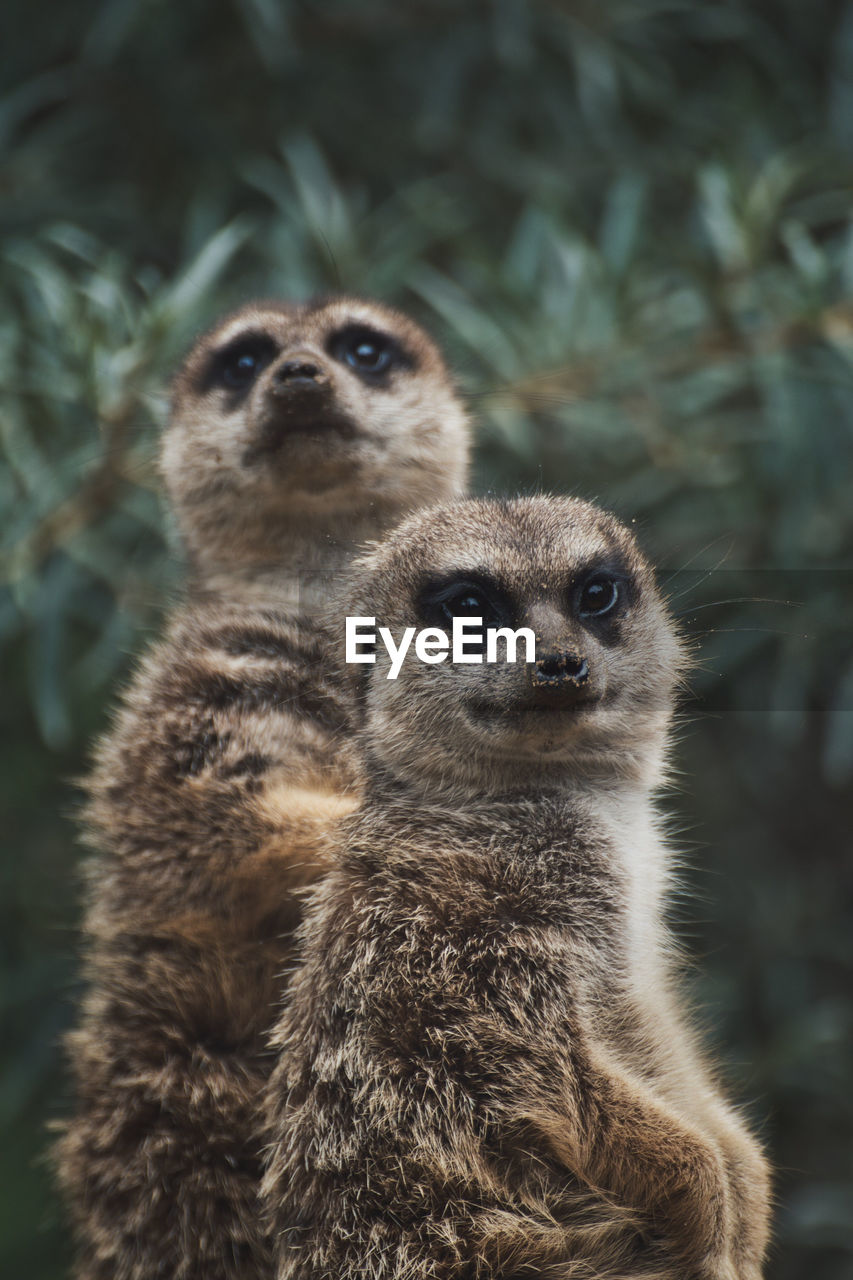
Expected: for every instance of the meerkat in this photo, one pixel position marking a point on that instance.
(296, 431)
(484, 1067)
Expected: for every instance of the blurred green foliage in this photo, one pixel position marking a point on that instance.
(630, 224)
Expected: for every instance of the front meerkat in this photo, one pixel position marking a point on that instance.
(296, 432)
(484, 1067)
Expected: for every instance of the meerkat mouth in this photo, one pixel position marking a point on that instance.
(532, 732)
(529, 720)
(530, 710)
(291, 422)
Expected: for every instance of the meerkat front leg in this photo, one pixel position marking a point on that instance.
(687, 1082)
(623, 1140)
(748, 1179)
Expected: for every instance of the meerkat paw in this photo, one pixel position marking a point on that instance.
(701, 1215)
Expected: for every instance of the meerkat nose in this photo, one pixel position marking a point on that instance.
(299, 373)
(560, 671)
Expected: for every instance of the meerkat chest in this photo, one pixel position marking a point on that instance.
(519, 929)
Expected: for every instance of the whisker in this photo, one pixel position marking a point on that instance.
(714, 604)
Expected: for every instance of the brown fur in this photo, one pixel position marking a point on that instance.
(484, 1067)
(227, 764)
(269, 487)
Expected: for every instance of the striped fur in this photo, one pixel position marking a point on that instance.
(212, 798)
(232, 734)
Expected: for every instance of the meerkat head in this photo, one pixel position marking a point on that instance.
(596, 702)
(291, 423)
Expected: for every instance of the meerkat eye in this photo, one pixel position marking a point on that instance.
(441, 603)
(467, 603)
(598, 596)
(240, 371)
(369, 353)
(237, 366)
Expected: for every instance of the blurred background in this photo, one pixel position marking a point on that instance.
(629, 223)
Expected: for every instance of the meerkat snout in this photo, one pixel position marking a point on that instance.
(296, 394)
(298, 372)
(561, 673)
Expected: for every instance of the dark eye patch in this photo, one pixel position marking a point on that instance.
(468, 595)
(368, 352)
(235, 366)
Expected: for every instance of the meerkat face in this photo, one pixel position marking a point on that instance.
(289, 413)
(606, 653)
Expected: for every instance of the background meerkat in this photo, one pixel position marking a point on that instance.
(484, 1070)
(296, 431)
